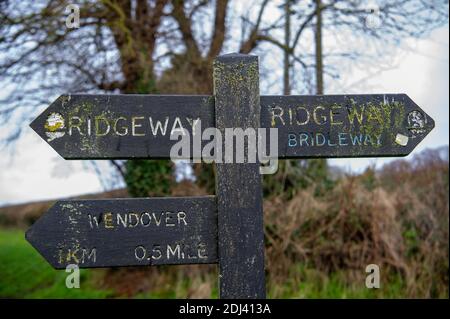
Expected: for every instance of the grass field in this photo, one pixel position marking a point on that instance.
(25, 274)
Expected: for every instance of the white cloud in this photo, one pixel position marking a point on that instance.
(35, 171)
(423, 74)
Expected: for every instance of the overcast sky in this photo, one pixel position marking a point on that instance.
(422, 73)
(37, 172)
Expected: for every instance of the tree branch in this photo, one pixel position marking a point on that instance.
(252, 39)
(185, 27)
(219, 29)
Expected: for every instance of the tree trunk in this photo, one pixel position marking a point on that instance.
(287, 40)
(318, 42)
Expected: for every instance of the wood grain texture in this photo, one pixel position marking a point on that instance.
(238, 186)
(128, 232)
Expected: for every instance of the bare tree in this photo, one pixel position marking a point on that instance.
(318, 46)
(287, 41)
(119, 46)
(324, 34)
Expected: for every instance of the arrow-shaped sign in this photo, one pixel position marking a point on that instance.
(128, 232)
(330, 126)
(140, 126)
(119, 126)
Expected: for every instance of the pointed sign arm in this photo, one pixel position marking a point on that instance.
(127, 232)
(140, 126)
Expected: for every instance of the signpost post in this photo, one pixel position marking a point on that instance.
(226, 228)
(238, 185)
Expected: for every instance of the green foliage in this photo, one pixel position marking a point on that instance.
(307, 282)
(25, 274)
(317, 171)
(369, 179)
(412, 241)
(146, 85)
(293, 175)
(317, 168)
(149, 177)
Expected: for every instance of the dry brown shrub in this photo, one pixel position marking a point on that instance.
(422, 189)
(350, 228)
(396, 218)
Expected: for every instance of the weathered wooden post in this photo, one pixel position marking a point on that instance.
(238, 185)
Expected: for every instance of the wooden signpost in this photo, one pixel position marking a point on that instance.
(128, 232)
(226, 228)
(139, 126)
